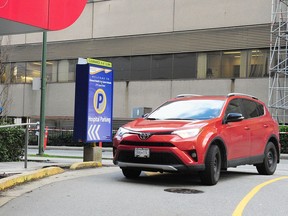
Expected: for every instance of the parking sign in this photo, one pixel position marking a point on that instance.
(96, 77)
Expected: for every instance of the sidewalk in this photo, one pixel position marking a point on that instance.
(13, 173)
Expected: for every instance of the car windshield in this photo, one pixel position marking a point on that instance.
(188, 110)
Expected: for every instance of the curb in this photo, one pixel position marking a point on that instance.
(83, 165)
(25, 177)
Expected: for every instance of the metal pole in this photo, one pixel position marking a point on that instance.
(26, 145)
(43, 94)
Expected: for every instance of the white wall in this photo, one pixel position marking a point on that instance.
(60, 96)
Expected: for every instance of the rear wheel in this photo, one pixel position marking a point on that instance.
(211, 174)
(131, 173)
(269, 164)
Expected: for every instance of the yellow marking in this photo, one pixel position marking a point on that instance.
(240, 208)
(99, 62)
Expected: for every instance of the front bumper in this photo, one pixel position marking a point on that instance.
(160, 167)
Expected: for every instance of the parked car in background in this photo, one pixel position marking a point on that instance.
(204, 134)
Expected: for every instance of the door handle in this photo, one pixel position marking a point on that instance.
(246, 128)
(265, 126)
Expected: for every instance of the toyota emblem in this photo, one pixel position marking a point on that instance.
(144, 136)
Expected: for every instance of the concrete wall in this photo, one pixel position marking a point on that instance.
(134, 17)
(128, 95)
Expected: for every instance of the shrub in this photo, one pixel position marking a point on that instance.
(284, 138)
(12, 141)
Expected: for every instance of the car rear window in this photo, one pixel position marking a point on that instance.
(188, 110)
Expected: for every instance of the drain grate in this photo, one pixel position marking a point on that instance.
(183, 190)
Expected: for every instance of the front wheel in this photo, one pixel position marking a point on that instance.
(269, 164)
(211, 174)
(131, 173)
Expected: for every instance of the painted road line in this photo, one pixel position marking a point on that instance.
(240, 208)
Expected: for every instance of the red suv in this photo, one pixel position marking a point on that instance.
(200, 133)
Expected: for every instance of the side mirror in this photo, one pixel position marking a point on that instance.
(233, 117)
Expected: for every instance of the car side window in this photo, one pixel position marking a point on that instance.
(252, 109)
(233, 107)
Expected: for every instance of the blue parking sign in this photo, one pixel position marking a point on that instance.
(96, 104)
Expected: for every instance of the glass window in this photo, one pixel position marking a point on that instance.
(233, 107)
(4, 72)
(33, 70)
(67, 70)
(122, 68)
(161, 67)
(185, 65)
(231, 64)
(258, 61)
(213, 65)
(18, 72)
(140, 67)
(251, 108)
(72, 69)
(51, 71)
(188, 110)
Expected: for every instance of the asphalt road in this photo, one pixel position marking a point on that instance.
(104, 191)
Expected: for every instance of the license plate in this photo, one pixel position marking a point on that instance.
(142, 152)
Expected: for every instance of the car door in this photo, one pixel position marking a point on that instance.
(236, 134)
(257, 125)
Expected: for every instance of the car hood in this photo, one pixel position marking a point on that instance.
(144, 125)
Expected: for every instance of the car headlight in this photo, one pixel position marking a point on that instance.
(121, 131)
(187, 132)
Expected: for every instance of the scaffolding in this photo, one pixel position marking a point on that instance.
(278, 65)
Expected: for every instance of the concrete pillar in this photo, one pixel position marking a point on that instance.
(92, 153)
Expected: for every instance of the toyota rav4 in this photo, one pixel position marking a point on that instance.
(204, 134)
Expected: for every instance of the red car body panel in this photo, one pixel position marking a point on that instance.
(241, 142)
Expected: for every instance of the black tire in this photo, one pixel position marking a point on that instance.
(211, 174)
(269, 164)
(131, 173)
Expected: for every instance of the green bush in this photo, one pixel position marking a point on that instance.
(284, 138)
(12, 141)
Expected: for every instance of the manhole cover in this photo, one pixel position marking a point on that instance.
(183, 190)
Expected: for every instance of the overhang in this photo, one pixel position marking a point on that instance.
(17, 17)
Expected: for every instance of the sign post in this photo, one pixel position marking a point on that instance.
(93, 102)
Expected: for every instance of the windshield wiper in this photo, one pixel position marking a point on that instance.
(179, 119)
(151, 119)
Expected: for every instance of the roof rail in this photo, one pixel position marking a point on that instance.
(241, 94)
(186, 95)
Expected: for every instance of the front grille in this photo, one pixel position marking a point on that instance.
(160, 144)
(163, 158)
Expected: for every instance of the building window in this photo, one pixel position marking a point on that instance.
(185, 66)
(140, 67)
(122, 68)
(258, 61)
(18, 72)
(161, 67)
(213, 69)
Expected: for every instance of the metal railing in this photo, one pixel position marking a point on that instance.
(26, 137)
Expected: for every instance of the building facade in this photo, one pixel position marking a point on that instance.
(159, 49)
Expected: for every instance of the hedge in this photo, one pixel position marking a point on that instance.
(284, 139)
(12, 141)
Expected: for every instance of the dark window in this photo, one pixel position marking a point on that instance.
(260, 109)
(185, 65)
(121, 67)
(161, 67)
(251, 108)
(234, 107)
(140, 67)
